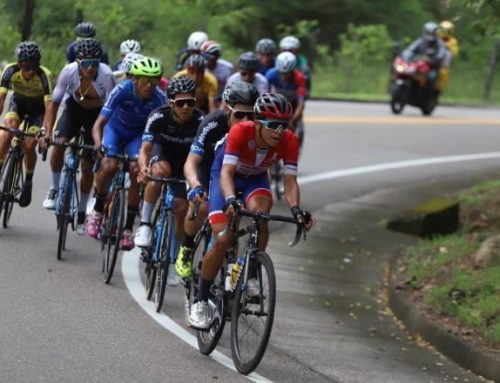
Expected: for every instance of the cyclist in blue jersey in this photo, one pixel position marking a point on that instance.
(123, 118)
(84, 30)
(266, 52)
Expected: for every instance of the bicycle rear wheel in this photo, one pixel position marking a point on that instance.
(151, 266)
(113, 231)
(64, 215)
(162, 273)
(5, 177)
(252, 316)
(13, 189)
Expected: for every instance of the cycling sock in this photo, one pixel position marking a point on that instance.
(80, 217)
(131, 213)
(204, 290)
(84, 198)
(147, 211)
(99, 202)
(29, 176)
(55, 177)
(188, 240)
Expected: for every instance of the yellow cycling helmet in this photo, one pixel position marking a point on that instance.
(446, 29)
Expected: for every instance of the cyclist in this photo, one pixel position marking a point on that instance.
(127, 46)
(238, 101)
(123, 118)
(290, 82)
(220, 68)
(247, 71)
(84, 30)
(83, 86)
(446, 32)
(31, 87)
(241, 166)
(266, 52)
(292, 44)
(194, 43)
(169, 132)
(123, 72)
(206, 83)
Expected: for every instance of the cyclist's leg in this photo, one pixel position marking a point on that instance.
(11, 120)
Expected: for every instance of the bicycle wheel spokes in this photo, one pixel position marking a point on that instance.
(166, 245)
(252, 316)
(151, 270)
(113, 232)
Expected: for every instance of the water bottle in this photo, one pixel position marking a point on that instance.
(236, 270)
(229, 286)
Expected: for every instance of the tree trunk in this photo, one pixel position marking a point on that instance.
(27, 19)
(491, 70)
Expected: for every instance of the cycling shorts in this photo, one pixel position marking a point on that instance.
(249, 187)
(115, 140)
(20, 107)
(74, 117)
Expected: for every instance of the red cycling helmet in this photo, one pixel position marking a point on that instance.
(273, 106)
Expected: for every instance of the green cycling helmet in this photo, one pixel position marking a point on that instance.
(147, 66)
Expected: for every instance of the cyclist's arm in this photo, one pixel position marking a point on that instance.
(51, 108)
(98, 128)
(145, 154)
(2, 101)
(292, 191)
(227, 180)
(191, 170)
(298, 110)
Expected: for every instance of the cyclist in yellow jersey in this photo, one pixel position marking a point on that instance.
(31, 86)
(206, 83)
(446, 32)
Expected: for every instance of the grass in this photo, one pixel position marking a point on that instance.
(443, 272)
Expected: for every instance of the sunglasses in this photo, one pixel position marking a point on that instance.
(152, 81)
(181, 102)
(241, 114)
(276, 125)
(89, 63)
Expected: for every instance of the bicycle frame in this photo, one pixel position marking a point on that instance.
(166, 207)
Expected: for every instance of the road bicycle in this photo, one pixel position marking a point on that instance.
(12, 173)
(251, 315)
(68, 200)
(164, 247)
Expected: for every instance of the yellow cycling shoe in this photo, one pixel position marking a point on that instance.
(183, 264)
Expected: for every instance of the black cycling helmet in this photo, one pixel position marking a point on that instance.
(265, 46)
(180, 84)
(272, 106)
(196, 61)
(28, 51)
(85, 29)
(248, 61)
(88, 49)
(240, 92)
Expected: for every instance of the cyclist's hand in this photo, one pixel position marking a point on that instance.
(99, 152)
(232, 205)
(144, 175)
(196, 194)
(44, 141)
(303, 216)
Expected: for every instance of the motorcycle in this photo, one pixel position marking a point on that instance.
(409, 86)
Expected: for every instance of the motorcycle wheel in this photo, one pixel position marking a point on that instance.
(397, 103)
(429, 106)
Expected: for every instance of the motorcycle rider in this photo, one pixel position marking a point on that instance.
(430, 46)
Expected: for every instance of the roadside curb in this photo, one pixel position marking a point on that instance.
(455, 348)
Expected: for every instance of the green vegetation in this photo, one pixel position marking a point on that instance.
(443, 271)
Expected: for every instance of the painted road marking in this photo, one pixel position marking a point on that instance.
(398, 120)
(130, 271)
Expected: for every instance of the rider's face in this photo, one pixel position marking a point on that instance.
(183, 105)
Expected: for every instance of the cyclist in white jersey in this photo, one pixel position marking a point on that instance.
(247, 72)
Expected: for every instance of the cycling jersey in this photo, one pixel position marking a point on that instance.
(222, 71)
(171, 140)
(37, 89)
(71, 56)
(208, 89)
(263, 69)
(212, 129)
(260, 82)
(303, 66)
(68, 82)
(295, 90)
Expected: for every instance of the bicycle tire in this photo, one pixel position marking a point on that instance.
(4, 183)
(116, 220)
(162, 272)
(151, 268)
(13, 182)
(260, 309)
(64, 215)
(276, 175)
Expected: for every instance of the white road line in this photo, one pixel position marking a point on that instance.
(130, 271)
(395, 165)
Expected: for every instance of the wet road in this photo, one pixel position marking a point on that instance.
(60, 323)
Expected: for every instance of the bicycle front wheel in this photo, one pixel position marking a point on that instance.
(165, 248)
(12, 184)
(113, 231)
(151, 265)
(252, 316)
(5, 177)
(64, 215)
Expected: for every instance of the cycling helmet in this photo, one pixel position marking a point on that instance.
(128, 60)
(196, 61)
(248, 61)
(240, 92)
(265, 46)
(272, 106)
(196, 39)
(285, 62)
(211, 48)
(146, 66)
(129, 46)
(28, 51)
(289, 43)
(429, 31)
(446, 28)
(85, 29)
(180, 84)
(88, 48)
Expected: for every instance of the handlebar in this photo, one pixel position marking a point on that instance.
(72, 145)
(19, 132)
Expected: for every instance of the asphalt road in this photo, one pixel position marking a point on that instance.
(60, 323)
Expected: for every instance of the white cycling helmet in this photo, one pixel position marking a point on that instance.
(285, 62)
(129, 46)
(128, 60)
(196, 39)
(289, 43)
